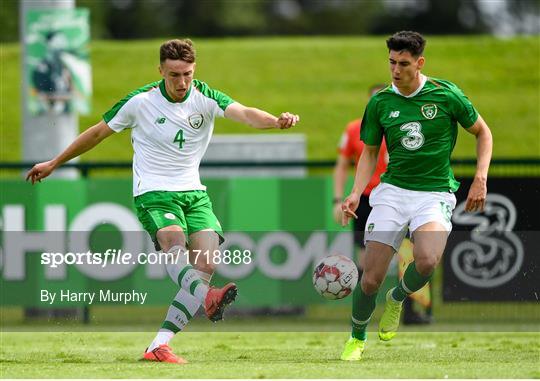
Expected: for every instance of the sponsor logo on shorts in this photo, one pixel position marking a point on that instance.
(196, 120)
(446, 211)
(370, 227)
(169, 216)
(429, 110)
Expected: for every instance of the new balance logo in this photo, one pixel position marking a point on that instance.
(160, 120)
(394, 114)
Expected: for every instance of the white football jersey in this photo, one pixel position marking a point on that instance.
(169, 138)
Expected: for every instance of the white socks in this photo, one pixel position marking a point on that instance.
(163, 337)
(184, 305)
(183, 274)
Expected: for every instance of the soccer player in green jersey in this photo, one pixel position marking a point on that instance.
(418, 117)
(171, 123)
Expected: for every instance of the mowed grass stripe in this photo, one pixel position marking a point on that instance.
(324, 79)
(271, 355)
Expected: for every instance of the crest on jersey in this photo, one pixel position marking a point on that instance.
(429, 110)
(196, 121)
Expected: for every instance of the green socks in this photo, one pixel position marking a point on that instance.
(363, 307)
(412, 281)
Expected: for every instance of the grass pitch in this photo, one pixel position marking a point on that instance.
(271, 355)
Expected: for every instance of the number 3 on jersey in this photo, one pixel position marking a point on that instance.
(179, 138)
(414, 138)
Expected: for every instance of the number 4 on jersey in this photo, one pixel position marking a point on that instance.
(179, 138)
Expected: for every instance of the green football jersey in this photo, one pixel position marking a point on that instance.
(420, 132)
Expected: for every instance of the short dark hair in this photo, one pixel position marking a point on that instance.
(177, 50)
(413, 42)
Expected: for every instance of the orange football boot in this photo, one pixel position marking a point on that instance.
(163, 353)
(217, 299)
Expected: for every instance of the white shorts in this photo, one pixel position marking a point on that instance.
(396, 209)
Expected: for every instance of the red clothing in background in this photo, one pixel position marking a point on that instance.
(351, 147)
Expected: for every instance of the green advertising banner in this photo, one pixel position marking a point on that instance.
(57, 62)
(276, 231)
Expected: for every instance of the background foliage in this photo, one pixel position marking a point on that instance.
(135, 19)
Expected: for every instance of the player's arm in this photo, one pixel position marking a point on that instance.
(364, 172)
(341, 169)
(258, 118)
(476, 198)
(83, 143)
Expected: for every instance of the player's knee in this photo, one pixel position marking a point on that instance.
(171, 236)
(204, 266)
(426, 265)
(166, 245)
(370, 283)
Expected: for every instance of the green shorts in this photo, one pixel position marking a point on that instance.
(191, 210)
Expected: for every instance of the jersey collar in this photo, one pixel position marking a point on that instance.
(423, 80)
(167, 97)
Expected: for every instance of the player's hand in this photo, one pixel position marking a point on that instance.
(476, 200)
(337, 212)
(348, 207)
(40, 171)
(287, 120)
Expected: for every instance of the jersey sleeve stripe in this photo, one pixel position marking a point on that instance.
(222, 99)
(109, 115)
(434, 82)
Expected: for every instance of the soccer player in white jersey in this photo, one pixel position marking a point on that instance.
(418, 117)
(171, 123)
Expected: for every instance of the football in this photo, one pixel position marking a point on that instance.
(335, 277)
